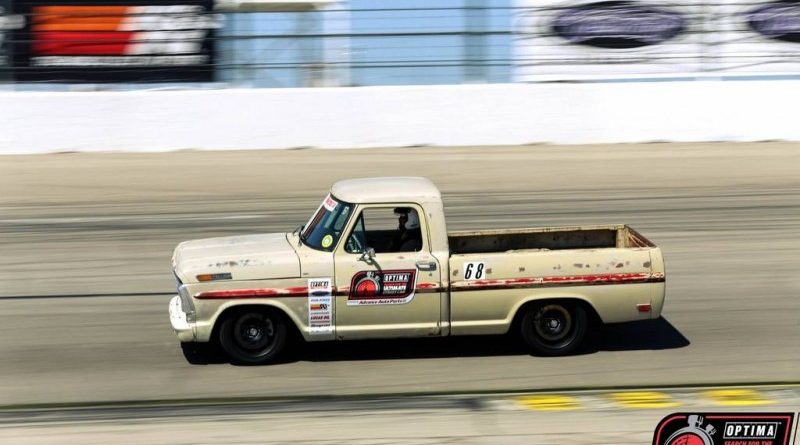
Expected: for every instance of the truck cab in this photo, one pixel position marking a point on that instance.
(381, 290)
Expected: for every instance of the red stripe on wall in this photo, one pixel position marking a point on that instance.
(95, 43)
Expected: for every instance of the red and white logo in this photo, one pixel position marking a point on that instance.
(693, 434)
(120, 35)
(367, 287)
(382, 287)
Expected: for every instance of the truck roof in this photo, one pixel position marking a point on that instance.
(386, 189)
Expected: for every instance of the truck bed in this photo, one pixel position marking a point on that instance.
(566, 262)
(560, 238)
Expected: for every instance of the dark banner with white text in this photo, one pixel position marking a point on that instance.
(114, 41)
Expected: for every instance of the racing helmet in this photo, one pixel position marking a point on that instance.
(412, 218)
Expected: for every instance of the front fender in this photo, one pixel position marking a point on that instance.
(295, 310)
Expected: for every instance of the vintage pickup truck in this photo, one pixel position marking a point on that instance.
(376, 261)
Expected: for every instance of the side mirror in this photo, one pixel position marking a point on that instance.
(368, 255)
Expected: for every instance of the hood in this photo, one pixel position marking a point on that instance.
(247, 257)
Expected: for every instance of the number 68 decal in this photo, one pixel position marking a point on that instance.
(474, 271)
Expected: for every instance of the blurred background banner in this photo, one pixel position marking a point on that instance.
(115, 41)
(49, 44)
(260, 43)
(756, 38)
(366, 43)
(591, 40)
(558, 40)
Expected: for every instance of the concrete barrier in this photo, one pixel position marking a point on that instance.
(39, 122)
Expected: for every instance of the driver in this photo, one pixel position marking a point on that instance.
(409, 236)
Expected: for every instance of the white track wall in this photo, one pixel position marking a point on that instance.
(40, 122)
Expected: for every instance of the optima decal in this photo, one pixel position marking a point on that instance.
(617, 25)
(779, 20)
(382, 287)
(724, 429)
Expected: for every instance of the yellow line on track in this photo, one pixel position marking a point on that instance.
(737, 397)
(549, 402)
(644, 399)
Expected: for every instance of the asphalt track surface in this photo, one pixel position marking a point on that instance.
(85, 242)
(575, 418)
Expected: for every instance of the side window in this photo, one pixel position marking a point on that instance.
(356, 242)
(386, 229)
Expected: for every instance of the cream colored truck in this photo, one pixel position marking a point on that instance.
(344, 276)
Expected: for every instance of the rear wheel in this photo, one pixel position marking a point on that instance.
(252, 336)
(554, 328)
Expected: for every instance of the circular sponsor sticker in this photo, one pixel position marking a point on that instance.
(327, 241)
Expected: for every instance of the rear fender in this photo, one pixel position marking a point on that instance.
(516, 312)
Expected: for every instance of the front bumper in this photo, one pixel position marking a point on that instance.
(180, 324)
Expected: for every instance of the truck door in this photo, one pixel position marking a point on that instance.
(397, 291)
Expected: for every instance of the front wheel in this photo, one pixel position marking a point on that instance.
(253, 337)
(554, 328)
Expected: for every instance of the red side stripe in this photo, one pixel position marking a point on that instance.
(558, 280)
(253, 293)
(288, 292)
(456, 286)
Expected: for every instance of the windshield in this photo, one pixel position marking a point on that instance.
(324, 228)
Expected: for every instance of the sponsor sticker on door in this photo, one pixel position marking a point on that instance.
(320, 306)
(382, 287)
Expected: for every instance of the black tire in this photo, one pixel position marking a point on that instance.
(253, 336)
(554, 328)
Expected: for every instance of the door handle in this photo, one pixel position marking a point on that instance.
(426, 265)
